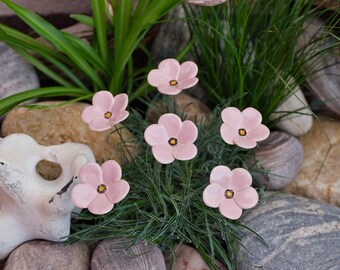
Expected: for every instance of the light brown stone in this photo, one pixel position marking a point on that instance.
(49, 256)
(186, 105)
(57, 125)
(205, 2)
(319, 177)
(188, 258)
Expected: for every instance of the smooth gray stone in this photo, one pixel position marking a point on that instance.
(16, 75)
(111, 254)
(301, 234)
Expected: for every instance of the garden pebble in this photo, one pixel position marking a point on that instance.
(300, 120)
(57, 125)
(188, 258)
(319, 177)
(191, 108)
(111, 254)
(325, 82)
(281, 155)
(16, 75)
(205, 2)
(300, 234)
(49, 256)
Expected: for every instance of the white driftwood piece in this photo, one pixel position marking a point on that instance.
(30, 206)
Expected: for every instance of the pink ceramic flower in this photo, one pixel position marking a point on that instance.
(172, 139)
(230, 191)
(106, 111)
(243, 128)
(100, 187)
(171, 78)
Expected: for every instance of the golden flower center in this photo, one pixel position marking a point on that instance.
(173, 141)
(173, 82)
(101, 188)
(242, 132)
(229, 194)
(108, 115)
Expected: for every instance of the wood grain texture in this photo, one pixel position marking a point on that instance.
(300, 234)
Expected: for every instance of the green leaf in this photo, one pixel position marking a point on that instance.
(84, 19)
(56, 38)
(10, 102)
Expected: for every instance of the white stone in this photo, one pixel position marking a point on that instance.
(299, 120)
(205, 2)
(30, 206)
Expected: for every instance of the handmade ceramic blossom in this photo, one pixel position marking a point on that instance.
(230, 191)
(106, 111)
(171, 78)
(172, 139)
(100, 187)
(30, 206)
(243, 128)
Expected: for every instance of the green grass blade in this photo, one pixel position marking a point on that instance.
(84, 19)
(10, 102)
(56, 38)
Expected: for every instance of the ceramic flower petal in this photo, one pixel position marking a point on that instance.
(163, 153)
(171, 78)
(213, 196)
(171, 122)
(82, 195)
(156, 134)
(170, 67)
(91, 174)
(112, 172)
(172, 139)
(243, 128)
(247, 198)
(241, 179)
(118, 191)
(230, 209)
(221, 175)
(100, 205)
(188, 132)
(103, 100)
(106, 111)
(184, 151)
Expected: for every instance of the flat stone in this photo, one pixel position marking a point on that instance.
(111, 254)
(188, 258)
(48, 7)
(319, 177)
(57, 125)
(186, 105)
(281, 156)
(300, 234)
(49, 256)
(300, 120)
(16, 75)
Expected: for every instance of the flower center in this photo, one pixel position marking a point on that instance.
(173, 141)
(173, 82)
(101, 188)
(229, 194)
(108, 115)
(242, 132)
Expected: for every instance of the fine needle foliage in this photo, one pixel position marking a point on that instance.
(164, 206)
(77, 67)
(247, 50)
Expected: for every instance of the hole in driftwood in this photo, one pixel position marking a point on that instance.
(48, 170)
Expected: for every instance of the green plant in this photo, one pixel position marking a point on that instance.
(107, 63)
(247, 50)
(165, 206)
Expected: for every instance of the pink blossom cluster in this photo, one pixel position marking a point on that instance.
(171, 138)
